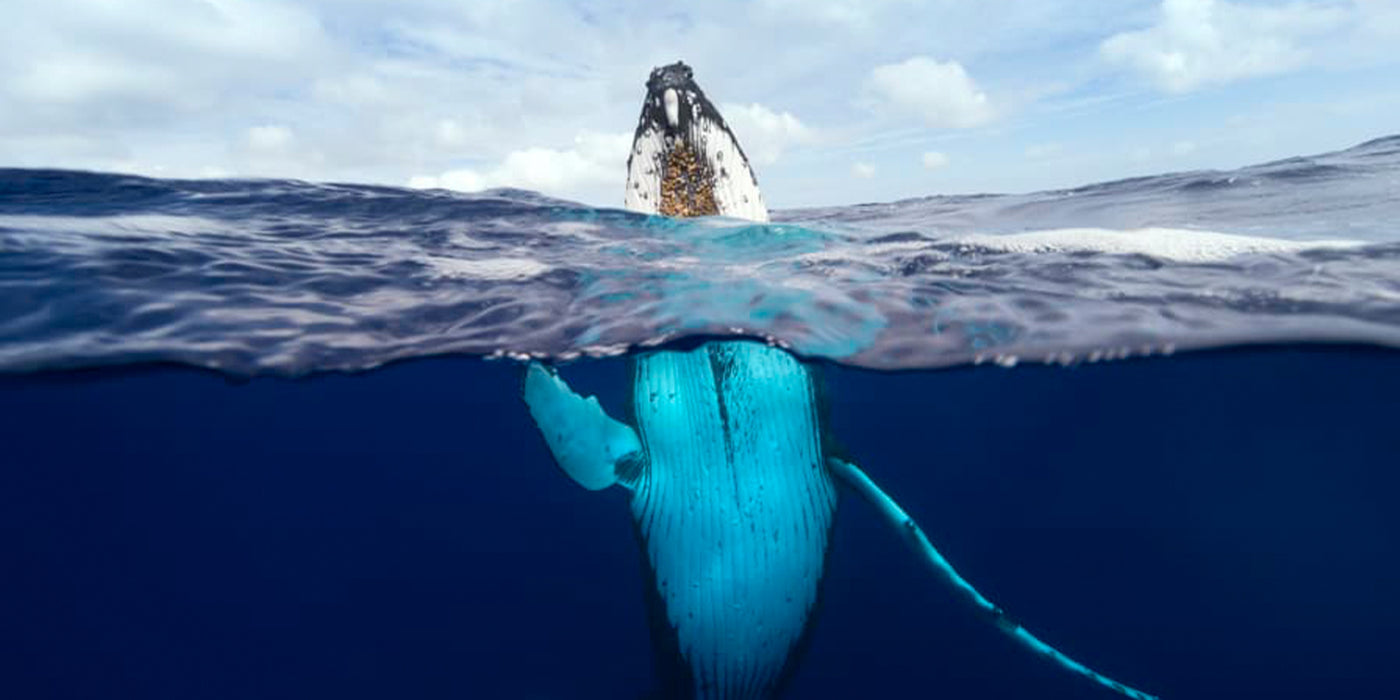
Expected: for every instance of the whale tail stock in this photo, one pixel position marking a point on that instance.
(914, 536)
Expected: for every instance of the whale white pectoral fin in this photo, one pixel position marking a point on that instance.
(914, 536)
(589, 445)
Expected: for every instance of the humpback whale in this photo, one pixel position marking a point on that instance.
(733, 485)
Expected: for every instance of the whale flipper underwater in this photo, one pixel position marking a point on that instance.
(732, 489)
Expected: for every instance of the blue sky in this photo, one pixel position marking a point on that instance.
(836, 101)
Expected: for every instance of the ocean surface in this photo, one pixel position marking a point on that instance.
(263, 439)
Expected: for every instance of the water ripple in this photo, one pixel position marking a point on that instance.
(276, 277)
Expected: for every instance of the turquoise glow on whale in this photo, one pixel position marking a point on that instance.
(732, 491)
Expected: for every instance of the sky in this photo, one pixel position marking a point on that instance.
(835, 101)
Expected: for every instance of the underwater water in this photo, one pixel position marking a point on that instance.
(265, 439)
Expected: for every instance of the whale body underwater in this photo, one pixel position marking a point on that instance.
(733, 479)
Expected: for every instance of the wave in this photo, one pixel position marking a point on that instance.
(280, 277)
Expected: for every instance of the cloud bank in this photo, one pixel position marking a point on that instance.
(940, 93)
(538, 93)
(1198, 43)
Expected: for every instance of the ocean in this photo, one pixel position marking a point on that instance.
(265, 438)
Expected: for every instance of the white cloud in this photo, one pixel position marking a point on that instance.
(942, 94)
(1183, 148)
(845, 13)
(864, 171)
(763, 133)
(595, 161)
(478, 94)
(1197, 43)
(934, 160)
(270, 138)
(165, 53)
(1379, 18)
(449, 133)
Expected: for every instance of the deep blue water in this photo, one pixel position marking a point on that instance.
(1212, 525)
(253, 445)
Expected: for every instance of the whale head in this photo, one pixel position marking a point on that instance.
(685, 161)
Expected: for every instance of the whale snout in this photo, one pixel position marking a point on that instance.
(675, 76)
(670, 93)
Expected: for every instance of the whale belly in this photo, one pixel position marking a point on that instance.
(734, 509)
